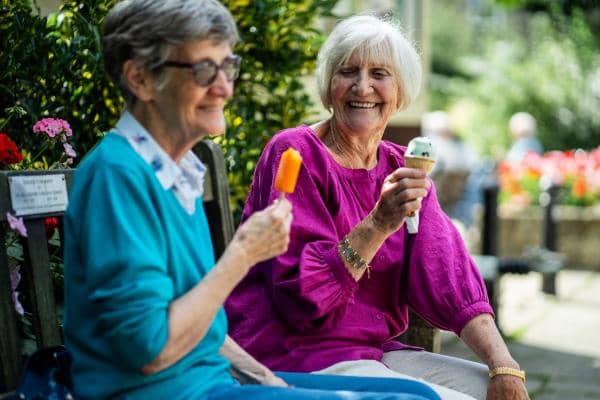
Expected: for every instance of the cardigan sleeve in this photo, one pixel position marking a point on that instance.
(443, 283)
(123, 250)
(309, 284)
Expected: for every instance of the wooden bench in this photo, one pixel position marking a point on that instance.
(37, 283)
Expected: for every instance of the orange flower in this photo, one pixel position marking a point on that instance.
(579, 188)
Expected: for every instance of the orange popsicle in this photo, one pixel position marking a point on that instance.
(287, 173)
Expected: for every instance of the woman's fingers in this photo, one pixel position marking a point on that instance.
(401, 196)
(266, 233)
(403, 172)
(407, 195)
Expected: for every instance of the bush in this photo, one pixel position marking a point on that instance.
(52, 67)
(278, 48)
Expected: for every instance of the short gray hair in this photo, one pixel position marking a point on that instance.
(148, 30)
(374, 39)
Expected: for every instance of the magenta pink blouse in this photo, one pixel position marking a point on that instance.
(303, 311)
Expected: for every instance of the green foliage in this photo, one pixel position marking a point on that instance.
(52, 67)
(278, 47)
(548, 69)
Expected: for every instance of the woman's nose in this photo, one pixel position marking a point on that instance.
(362, 84)
(221, 86)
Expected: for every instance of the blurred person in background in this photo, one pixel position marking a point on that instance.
(523, 130)
(455, 172)
(453, 154)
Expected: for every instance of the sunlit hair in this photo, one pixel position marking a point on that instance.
(522, 124)
(149, 30)
(375, 41)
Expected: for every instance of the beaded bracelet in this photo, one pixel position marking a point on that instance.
(507, 371)
(351, 257)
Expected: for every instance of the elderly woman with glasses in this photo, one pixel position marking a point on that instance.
(143, 293)
(335, 301)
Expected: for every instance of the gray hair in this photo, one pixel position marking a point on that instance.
(522, 124)
(374, 40)
(149, 30)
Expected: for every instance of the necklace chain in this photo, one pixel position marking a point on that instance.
(334, 135)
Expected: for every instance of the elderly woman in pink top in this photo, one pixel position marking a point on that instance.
(335, 301)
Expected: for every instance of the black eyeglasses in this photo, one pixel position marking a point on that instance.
(205, 72)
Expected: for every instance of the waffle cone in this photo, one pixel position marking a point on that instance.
(422, 163)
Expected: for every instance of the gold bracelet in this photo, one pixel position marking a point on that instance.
(351, 257)
(507, 371)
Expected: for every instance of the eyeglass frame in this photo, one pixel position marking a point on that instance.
(235, 59)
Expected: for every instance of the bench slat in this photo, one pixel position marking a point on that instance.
(10, 341)
(39, 280)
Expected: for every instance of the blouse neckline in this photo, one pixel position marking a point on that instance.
(361, 173)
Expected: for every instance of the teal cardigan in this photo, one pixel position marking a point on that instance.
(130, 250)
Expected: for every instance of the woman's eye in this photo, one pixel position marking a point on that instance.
(346, 71)
(380, 73)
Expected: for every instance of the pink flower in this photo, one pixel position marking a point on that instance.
(15, 278)
(16, 224)
(69, 150)
(53, 127)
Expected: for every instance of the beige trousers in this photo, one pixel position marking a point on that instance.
(452, 378)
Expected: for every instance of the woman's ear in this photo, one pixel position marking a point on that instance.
(139, 80)
(399, 102)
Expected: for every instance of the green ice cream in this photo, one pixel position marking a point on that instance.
(420, 154)
(421, 147)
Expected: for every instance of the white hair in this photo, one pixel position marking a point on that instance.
(373, 40)
(522, 124)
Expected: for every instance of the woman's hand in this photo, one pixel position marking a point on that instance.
(483, 337)
(265, 234)
(273, 380)
(245, 368)
(400, 196)
(504, 387)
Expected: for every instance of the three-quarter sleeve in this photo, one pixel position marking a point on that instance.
(310, 286)
(125, 258)
(443, 284)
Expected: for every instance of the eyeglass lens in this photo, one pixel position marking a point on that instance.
(205, 72)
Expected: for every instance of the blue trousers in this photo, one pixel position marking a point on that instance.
(328, 387)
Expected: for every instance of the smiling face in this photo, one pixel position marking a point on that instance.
(364, 96)
(186, 109)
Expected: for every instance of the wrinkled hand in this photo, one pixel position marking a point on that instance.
(507, 387)
(266, 233)
(400, 196)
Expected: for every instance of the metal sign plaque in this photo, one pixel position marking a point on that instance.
(38, 194)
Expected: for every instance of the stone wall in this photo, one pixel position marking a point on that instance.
(578, 233)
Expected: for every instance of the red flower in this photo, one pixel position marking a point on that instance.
(9, 153)
(50, 224)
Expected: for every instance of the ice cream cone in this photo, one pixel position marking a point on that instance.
(419, 154)
(422, 163)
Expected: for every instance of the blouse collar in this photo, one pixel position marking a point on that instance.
(185, 178)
